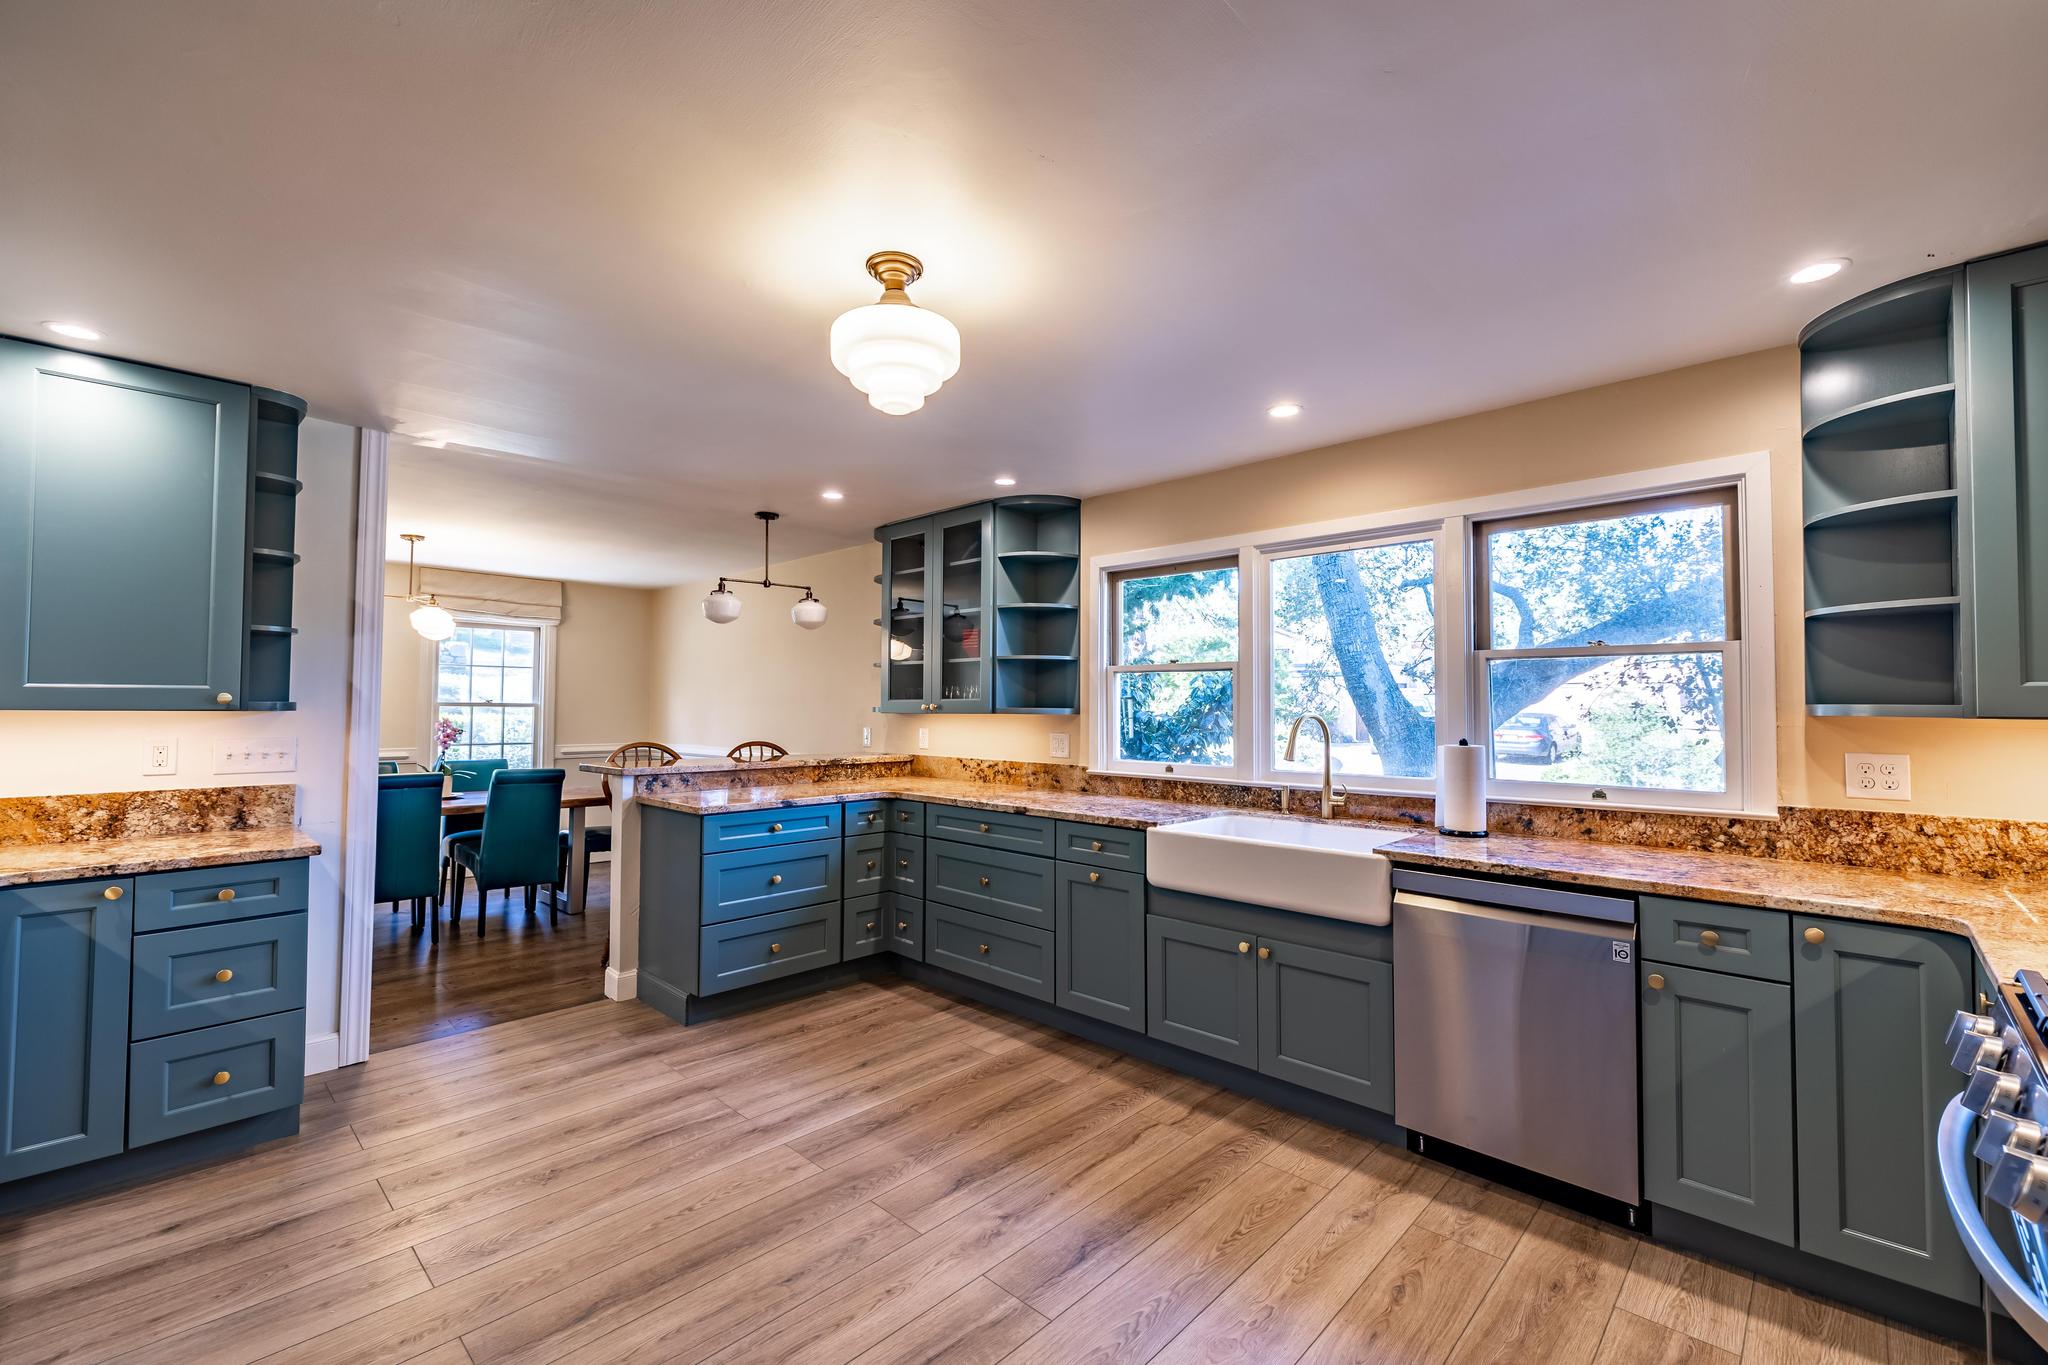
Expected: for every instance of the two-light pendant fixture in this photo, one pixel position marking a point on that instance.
(895, 352)
(722, 604)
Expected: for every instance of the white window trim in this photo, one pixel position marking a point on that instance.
(544, 670)
(1749, 718)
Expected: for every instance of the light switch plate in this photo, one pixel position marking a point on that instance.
(867, 737)
(256, 756)
(1059, 745)
(1878, 777)
(924, 738)
(160, 758)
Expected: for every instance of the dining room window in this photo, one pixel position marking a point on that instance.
(487, 682)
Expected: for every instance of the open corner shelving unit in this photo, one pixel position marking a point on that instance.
(1037, 541)
(1886, 619)
(273, 506)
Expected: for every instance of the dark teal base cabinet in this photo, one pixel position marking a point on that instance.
(140, 1009)
(1099, 943)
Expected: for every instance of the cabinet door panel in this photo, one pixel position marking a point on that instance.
(124, 507)
(1326, 1021)
(963, 630)
(1871, 1006)
(1099, 945)
(1201, 989)
(63, 1024)
(1717, 1098)
(907, 575)
(2007, 396)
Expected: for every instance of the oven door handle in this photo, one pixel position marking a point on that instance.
(2010, 1286)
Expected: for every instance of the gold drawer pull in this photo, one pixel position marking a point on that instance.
(224, 975)
(1244, 947)
(1709, 939)
(984, 827)
(112, 893)
(903, 815)
(901, 925)
(226, 893)
(871, 926)
(775, 828)
(984, 947)
(984, 881)
(903, 862)
(871, 864)
(221, 1078)
(775, 880)
(1094, 876)
(1816, 935)
(1656, 981)
(869, 817)
(1265, 953)
(225, 698)
(775, 947)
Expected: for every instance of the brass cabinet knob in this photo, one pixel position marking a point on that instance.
(775, 947)
(871, 926)
(984, 827)
(1265, 953)
(224, 975)
(225, 698)
(903, 815)
(1094, 876)
(112, 893)
(1816, 935)
(1244, 947)
(871, 864)
(775, 828)
(903, 862)
(1096, 846)
(869, 817)
(984, 947)
(775, 880)
(1655, 981)
(901, 925)
(984, 881)
(221, 1078)
(1709, 939)
(226, 893)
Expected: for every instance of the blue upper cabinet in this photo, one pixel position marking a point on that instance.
(907, 557)
(2008, 420)
(126, 502)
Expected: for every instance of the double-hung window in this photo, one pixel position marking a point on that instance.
(1173, 666)
(488, 680)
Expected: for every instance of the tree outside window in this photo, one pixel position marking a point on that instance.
(1175, 664)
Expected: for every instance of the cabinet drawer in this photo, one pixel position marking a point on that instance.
(882, 814)
(212, 895)
(760, 880)
(867, 865)
(1101, 846)
(765, 947)
(1012, 956)
(1014, 885)
(991, 829)
(904, 864)
(903, 923)
(742, 829)
(210, 1076)
(865, 932)
(1724, 938)
(217, 973)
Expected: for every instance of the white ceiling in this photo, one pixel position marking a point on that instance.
(594, 247)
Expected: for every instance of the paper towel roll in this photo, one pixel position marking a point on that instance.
(1461, 789)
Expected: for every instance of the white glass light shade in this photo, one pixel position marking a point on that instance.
(900, 650)
(896, 353)
(432, 622)
(808, 613)
(722, 605)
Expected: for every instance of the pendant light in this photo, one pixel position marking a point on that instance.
(430, 620)
(895, 352)
(722, 604)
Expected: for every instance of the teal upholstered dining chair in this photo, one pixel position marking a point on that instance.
(386, 766)
(519, 844)
(465, 775)
(408, 836)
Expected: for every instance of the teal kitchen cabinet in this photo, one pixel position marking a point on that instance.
(2007, 403)
(1326, 1021)
(1717, 1097)
(1871, 1005)
(64, 962)
(134, 502)
(1099, 944)
(908, 558)
(1202, 989)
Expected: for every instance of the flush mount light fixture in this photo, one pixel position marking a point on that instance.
(832, 495)
(1005, 481)
(1818, 271)
(894, 351)
(1284, 410)
(430, 620)
(722, 604)
(77, 331)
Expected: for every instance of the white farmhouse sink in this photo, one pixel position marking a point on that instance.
(1332, 870)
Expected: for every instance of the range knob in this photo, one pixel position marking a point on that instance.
(2019, 1181)
(1966, 1025)
(1976, 1050)
(1990, 1092)
(2000, 1131)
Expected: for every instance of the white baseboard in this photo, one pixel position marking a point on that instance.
(620, 985)
(323, 1053)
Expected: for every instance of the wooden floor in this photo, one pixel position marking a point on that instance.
(880, 1173)
(420, 989)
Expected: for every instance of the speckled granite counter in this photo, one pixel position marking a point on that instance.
(2007, 919)
(1124, 812)
(724, 767)
(27, 864)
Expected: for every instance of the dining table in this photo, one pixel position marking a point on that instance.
(576, 799)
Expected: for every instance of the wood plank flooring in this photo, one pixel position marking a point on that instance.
(420, 989)
(880, 1173)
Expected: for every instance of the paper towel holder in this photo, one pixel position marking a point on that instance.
(1442, 802)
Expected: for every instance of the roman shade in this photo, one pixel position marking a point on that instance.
(489, 594)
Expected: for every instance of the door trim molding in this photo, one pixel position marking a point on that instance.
(359, 830)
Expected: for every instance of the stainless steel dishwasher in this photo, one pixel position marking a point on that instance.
(1515, 1025)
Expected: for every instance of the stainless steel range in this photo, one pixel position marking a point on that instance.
(1999, 1124)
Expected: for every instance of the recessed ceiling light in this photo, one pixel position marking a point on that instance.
(1818, 271)
(1284, 410)
(77, 331)
(1005, 481)
(831, 495)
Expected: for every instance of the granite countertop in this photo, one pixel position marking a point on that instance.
(2007, 919)
(1122, 811)
(27, 864)
(688, 767)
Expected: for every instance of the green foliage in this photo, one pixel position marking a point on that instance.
(1631, 743)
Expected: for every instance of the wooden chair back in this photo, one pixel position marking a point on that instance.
(756, 751)
(641, 753)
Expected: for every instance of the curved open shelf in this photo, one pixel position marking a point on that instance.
(1909, 306)
(273, 556)
(276, 483)
(1894, 409)
(1038, 606)
(273, 630)
(1903, 606)
(1906, 507)
(1038, 554)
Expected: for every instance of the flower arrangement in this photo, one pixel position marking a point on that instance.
(446, 733)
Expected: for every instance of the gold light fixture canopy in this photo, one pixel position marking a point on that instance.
(895, 352)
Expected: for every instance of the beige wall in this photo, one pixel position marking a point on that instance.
(603, 675)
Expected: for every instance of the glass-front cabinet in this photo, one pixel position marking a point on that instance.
(906, 587)
(960, 674)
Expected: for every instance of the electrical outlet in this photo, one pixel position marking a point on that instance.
(160, 758)
(1878, 777)
(1059, 745)
(256, 756)
(867, 737)
(924, 738)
